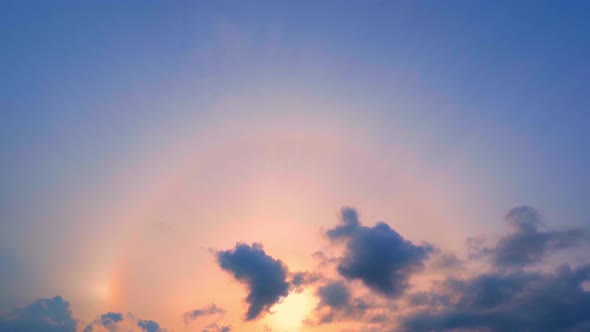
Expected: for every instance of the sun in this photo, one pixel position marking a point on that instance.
(288, 315)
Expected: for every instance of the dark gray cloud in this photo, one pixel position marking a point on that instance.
(348, 226)
(334, 295)
(264, 276)
(43, 315)
(111, 318)
(54, 315)
(528, 243)
(148, 325)
(108, 320)
(378, 256)
(518, 301)
(336, 303)
(211, 309)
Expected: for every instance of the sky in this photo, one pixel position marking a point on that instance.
(407, 166)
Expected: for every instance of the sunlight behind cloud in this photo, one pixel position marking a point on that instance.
(288, 315)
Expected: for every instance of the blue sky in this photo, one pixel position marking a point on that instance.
(97, 99)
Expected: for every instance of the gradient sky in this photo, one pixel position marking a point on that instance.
(141, 140)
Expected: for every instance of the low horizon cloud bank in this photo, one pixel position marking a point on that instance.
(370, 284)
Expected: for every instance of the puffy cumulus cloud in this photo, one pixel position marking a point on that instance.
(211, 309)
(111, 317)
(148, 325)
(528, 243)
(264, 276)
(378, 256)
(43, 315)
(349, 224)
(518, 301)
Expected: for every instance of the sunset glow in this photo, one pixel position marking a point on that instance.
(289, 314)
(305, 166)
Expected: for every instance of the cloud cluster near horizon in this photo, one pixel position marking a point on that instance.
(43, 315)
(116, 321)
(512, 295)
(514, 292)
(502, 297)
(527, 243)
(55, 315)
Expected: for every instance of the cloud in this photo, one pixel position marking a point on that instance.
(446, 262)
(336, 303)
(110, 318)
(214, 327)
(264, 276)
(528, 243)
(518, 301)
(504, 296)
(115, 322)
(54, 315)
(349, 224)
(211, 309)
(378, 256)
(301, 279)
(43, 315)
(148, 325)
(323, 259)
(334, 295)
